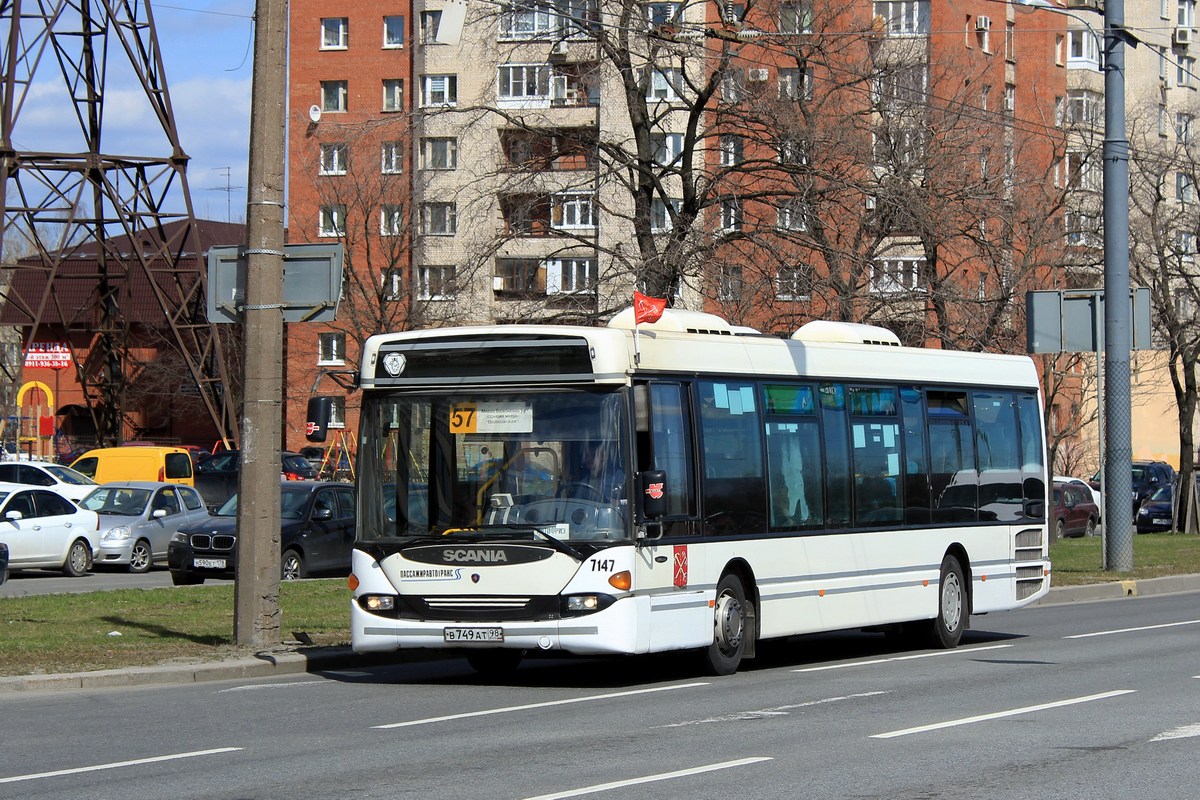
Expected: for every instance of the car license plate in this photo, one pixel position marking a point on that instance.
(208, 563)
(473, 634)
(1161, 521)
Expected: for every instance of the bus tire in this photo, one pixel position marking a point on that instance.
(494, 661)
(730, 627)
(947, 628)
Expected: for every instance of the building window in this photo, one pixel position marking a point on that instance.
(896, 275)
(1185, 73)
(731, 150)
(519, 82)
(1060, 46)
(1010, 100)
(439, 152)
(904, 17)
(665, 84)
(1083, 49)
(439, 219)
(393, 284)
(1085, 107)
(573, 211)
(796, 17)
(1080, 172)
(1082, 229)
(792, 283)
(1185, 188)
(730, 283)
(1185, 246)
(331, 348)
(1185, 16)
(1060, 111)
(792, 151)
(440, 90)
(391, 158)
(661, 217)
(391, 220)
(333, 95)
(522, 276)
(667, 147)
(660, 14)
(1183, 127)
(335, 33)
(527, 21)
(571, 276)
(435, 283)
(393, 32)
(333, 159)
(795, 84)
(337, 412)
(393, 94)
(431, 21)
(731, 215)
(1010, 50)
(332, 221)
(792, 215)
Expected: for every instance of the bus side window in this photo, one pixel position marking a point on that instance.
(671, 451)
(916, 459)
(837, 453)
(735, 494)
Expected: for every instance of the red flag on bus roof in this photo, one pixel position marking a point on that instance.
(646, 308)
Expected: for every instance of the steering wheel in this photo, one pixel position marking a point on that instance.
(582, 491)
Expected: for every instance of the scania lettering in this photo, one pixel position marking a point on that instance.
(694, 487)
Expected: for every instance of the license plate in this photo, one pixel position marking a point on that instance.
(1158, 521)
(473, 634)
(208, 563)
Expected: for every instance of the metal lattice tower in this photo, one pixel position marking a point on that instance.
(111, 207)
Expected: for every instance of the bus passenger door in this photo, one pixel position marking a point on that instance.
(664, 442)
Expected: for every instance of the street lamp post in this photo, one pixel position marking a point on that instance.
(1118, 435)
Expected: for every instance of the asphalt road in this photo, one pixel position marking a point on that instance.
(1081, 700)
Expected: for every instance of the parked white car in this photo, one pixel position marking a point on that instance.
(70, 484)
(138, 519)
(44, 530)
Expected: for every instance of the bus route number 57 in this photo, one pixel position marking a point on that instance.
(463, 418)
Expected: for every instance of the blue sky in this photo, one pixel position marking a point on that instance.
(207, 50)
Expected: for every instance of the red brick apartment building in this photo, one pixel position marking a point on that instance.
(893, 162)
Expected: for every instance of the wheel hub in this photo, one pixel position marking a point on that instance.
(729, 622)
(951, 601)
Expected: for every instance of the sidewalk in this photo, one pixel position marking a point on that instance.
(300, 660)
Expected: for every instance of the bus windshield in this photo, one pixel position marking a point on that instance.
(503, 464)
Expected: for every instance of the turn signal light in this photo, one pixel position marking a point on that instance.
(621, 580)
(352, 581)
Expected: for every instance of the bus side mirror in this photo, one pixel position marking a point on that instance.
(320, 409)
(653, 485)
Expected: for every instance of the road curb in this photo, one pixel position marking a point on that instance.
(301, 660)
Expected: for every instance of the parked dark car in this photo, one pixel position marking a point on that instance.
(217, 476)
(1146, 478)
(1156, 514)
(317, 536)
(3, 562)
(1075, 513)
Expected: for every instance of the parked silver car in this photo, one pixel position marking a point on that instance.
(138, 519)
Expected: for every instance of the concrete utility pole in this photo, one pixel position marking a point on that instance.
(256, 610)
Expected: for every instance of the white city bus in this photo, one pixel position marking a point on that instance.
(531, 489)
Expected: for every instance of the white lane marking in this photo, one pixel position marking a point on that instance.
(1134, 630)
(1186, 732)
(254, 686)
(958, 651)
(663, 776)
(1001, 714)
(118, 764)
(547, 704)
(777, 711)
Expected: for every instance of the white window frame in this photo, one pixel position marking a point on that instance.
(664, 85)
(429, 150)
(331, 348)
(1185, 188)
(1010, 100)
(660, 216)
(1083, 49)
(393, 95)
(731, 283)
(439, 219)
(1185, 71)
(431, 21)
(391, 158)
(573, 211)
(523, 84)
(334, 158)
(731, 149)
(796, 16)
(390, 40)
(792, 215)
(393, 284)
(660, 13)
(1085, 107)
(789, 282)
(904, 17)
(1185, 246)
(331, 222)
(1184, 124)
(335, 33)
(668, 147)
(1081, 172)
(439, 90)
(525, 21)
(896, 274)
(423, 275)
(732, 219)
(334, 97)
(573, 275)
(391, 220)
(1185, 13)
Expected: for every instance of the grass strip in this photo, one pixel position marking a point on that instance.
(1155, 555)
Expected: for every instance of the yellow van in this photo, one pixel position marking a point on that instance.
(172, 464)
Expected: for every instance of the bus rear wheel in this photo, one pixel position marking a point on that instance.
(947, 629)
(730, 628)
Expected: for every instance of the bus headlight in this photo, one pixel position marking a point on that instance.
(377, 603)
(576, 605)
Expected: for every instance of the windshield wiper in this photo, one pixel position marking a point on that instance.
(556, 543)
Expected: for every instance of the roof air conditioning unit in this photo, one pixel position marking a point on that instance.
(757, 75)
(559, 48)
(983, 24)
(1183, 36)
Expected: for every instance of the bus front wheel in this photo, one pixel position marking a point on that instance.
(730, 627)
(947, 629)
